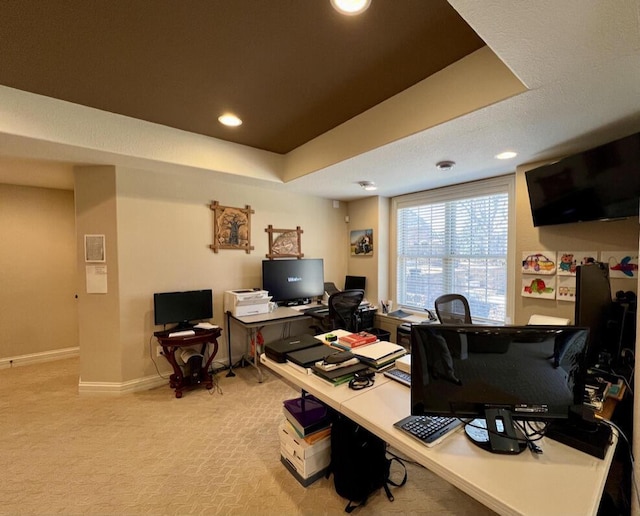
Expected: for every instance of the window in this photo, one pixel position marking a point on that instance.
(456, 239)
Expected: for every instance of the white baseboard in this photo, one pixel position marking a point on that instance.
(35, 358)
(139, 384)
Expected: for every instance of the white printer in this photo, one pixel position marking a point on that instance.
(245, 302)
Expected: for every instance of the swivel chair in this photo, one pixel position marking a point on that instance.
(453, 309)
(343, 311)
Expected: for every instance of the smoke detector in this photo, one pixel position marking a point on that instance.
(445, 165)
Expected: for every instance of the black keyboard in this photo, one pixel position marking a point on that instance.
(317, 310)
(429, 430)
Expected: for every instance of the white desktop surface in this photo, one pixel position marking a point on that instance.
(560, 481)
(332, 395)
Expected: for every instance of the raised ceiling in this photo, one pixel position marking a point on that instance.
(291, 69)
(553, 78)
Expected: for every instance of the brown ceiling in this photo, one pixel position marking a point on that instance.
(291, 69)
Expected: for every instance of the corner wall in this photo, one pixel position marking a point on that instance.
(371, 213)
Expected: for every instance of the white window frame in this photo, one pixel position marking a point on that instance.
(450, 193)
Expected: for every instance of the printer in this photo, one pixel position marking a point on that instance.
(245, 302)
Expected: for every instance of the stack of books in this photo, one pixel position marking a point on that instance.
(304, 359)
(308, 416)
(354, 340)
(339, 375)
(379, 355)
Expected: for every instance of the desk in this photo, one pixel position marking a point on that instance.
(253, 324)
(170, 345)
(560, 481)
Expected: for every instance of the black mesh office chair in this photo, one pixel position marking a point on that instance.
(453, 309)
(343, 312)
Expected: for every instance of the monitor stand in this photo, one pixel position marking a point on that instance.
(496, 433)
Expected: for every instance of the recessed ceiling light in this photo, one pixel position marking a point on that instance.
(506, 155)
(350, 7)
(229, 120)
(368, 185)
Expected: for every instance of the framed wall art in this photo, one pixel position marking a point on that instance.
(231, 227)
(361, 242)
(284, 243)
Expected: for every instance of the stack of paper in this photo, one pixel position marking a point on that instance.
(379, 354)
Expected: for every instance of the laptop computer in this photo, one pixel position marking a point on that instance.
(277, 351)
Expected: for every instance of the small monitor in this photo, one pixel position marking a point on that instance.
(495, 375)
(291, 282)
(182, 308)
(355, 282)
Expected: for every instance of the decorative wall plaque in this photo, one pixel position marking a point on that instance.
(286, 244)
(231, 227)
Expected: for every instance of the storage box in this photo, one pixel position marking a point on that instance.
(246, 302)
(304, 481)
(307, 462)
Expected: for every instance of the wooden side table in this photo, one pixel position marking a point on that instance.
(170, 345)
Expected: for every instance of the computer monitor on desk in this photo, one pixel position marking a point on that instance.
(293, 282)
(497, 374)
(355, 282)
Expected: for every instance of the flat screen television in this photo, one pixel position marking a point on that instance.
(182, 308)
(355, 282)
(292, 282)
(598, 184)
(593, 309)
(496, 375)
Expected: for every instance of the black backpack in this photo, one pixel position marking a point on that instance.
(359, 462)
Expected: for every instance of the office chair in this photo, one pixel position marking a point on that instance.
(343, 311)
(453, 309)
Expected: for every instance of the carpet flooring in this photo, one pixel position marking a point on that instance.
(212, 452)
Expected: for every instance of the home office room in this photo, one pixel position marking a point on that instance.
(118, 186)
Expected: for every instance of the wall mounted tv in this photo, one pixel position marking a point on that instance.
(292, 282)
(602, 183)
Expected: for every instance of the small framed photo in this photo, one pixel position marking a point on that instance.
(361, 242)
(94, 249)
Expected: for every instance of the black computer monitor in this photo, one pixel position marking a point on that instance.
(355, 282)
(291, 282)
(594, 309)
(182, 308)
(496, 375)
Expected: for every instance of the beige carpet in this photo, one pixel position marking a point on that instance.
(211, 452)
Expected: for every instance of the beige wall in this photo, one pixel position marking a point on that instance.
(621, 235)
(159, 228)
(98, 314)
(37, 278)
(372, 213)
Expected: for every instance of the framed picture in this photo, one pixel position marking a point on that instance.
(286, 243)
(94, 250)
(231, 227)
(361, 242)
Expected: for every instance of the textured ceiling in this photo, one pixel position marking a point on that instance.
(291, 69)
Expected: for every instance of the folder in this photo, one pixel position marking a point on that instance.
(309, 356)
